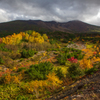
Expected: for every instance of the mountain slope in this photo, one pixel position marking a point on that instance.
(37, 25)
(79, 26)
(46, 26)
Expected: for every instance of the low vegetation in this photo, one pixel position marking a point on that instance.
(35, 66)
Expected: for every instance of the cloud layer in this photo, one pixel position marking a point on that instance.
(47, 10)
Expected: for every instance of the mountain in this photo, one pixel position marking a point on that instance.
(74, 26)
(81, 27)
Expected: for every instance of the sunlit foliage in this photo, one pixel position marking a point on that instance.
(34, 37)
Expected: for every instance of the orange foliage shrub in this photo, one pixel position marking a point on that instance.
(8, 79)
(89, 58)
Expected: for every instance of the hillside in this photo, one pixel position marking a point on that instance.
(37, 25)
(81, 27)
(36, 67)
(86, 88)
(46, 26)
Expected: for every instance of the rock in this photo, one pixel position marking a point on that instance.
(76, 46)
(5, 69)
(79, 96)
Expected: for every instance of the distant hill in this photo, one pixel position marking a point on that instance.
(46, 26)
(81, 27)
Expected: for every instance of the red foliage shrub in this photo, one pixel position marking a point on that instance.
(72, 60)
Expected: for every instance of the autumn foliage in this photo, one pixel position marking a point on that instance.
(36, 66)
(34, 37)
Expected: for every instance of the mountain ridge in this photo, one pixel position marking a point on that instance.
(74, 26)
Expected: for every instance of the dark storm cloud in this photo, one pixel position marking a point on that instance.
(59, 10)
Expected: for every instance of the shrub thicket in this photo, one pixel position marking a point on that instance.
(74, 71)
(59, 73)
(39, 71)
(27, 53)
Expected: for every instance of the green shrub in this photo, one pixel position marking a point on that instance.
(91, 71)
(21, 69)
(80, 56)
(59, 73)
(20, 97)
(97, 55)
(65, 41)
(52, 41)
(3, 48)
(62, 58)
(53, 49)
(70, 55)
(39, 71)
(2, 80)
(1, 61)
(71, 42)
(74, 71)
(66, 50)
(27, 53)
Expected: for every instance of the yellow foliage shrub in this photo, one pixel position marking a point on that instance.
(45, 37)
(13, 39)
(8, 78)
(53, 81)
(36, 87)
(12, 79)
(86, 62)
(34, 37)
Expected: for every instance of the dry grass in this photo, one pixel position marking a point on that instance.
(38, 46)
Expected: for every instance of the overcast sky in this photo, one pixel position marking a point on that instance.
(48, 10)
